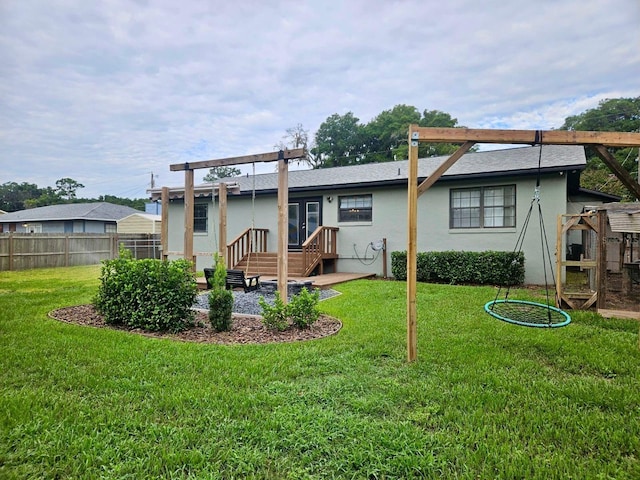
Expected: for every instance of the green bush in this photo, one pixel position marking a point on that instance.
(303, 308)
(274, 317)
(220, 299)
(302, 311)
(478, 268)
(148, 294)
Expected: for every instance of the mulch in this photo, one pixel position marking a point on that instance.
(246, 329)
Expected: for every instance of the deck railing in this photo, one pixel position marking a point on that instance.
(319, 246)
(252, 240)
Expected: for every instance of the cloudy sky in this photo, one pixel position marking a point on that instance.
(107, 92)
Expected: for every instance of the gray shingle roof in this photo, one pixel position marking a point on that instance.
(102, 211)
(512, 161)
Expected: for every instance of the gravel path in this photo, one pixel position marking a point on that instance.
(247, 303)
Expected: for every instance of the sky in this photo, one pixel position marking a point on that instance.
(109, 92)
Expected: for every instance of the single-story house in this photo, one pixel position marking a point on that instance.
(479, 204)
(140, 223)
(100, 217)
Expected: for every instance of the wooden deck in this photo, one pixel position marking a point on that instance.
(319, 281)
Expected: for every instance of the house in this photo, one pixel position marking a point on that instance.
(99, 217)
(140, 223)
(479, 204)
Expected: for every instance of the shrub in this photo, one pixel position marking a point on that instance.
(149, 294)
(220, 299)
(489, 267)
(303, 308)
(302, 311)
(274, 317)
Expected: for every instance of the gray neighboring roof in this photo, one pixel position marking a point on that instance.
(511, 161)
(103, 211)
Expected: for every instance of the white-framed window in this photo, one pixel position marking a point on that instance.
(200, 217)
(110, 228)
(355, 208)
(483, 207)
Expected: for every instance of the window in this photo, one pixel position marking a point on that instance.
(200, 212)
(108, 228)
(487, 207)
(355, 208)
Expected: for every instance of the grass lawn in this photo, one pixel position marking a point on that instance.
(485, 399)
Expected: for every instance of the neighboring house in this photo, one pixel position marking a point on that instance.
(479, 204)
(140, 223)
(67, 218)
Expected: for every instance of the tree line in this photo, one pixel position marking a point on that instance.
(20, 196)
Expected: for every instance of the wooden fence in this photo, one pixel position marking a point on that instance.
(22, 251)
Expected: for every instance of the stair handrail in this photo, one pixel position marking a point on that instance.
(321, 244)
(252, 240)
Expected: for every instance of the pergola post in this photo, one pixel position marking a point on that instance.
(283, 229)
(188, 215)
(164, 232)
(222, 208)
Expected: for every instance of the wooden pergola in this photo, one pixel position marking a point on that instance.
(282, 157)
(469, 137)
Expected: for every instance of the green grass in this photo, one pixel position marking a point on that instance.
(485, 399)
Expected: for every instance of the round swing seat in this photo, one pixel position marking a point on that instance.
(527, 314)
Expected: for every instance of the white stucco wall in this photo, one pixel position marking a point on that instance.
(390, 222)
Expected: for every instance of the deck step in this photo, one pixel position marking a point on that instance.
(266, 264)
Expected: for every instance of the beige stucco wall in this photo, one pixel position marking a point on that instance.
(390, 222)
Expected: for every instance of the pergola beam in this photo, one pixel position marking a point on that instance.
(547, 137)
(223, 162)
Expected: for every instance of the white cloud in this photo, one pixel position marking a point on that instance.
(107, 92)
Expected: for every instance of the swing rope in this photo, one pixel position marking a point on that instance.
(527, 313)
(252, 230)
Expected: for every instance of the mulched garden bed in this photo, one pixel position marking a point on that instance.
(245, 329)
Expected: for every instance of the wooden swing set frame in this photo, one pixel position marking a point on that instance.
(469, 137)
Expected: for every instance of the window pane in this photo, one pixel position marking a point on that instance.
(465, 208)
(355, 208)
(200, 211)
(495, 200)
(483, 207)
(294, 220)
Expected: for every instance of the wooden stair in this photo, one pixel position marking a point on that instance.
(265, 264)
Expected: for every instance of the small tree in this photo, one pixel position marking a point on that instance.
(220, 299)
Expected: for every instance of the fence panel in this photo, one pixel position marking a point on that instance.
(22, 251)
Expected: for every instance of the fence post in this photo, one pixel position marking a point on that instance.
(11, 237)
(66, 250)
